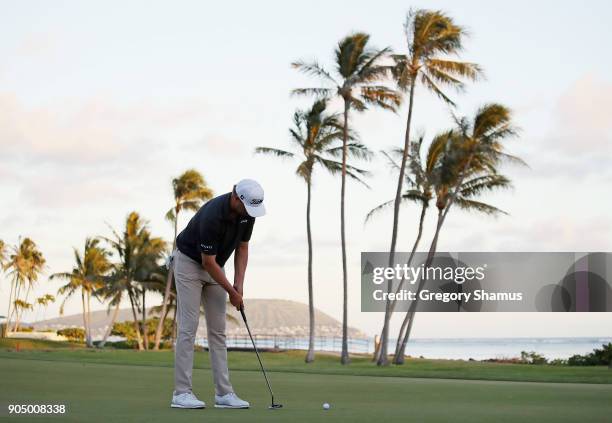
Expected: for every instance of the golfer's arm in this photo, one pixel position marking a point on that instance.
(241, 258)
(214, 270)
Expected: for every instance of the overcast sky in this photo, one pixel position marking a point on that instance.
(103, 103)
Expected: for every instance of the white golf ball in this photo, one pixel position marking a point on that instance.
(325, 406)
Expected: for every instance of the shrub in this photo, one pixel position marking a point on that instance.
(598, 357)
(126, 329)
(73, 334)
(532, 357)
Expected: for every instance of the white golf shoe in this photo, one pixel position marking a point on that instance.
(186, 400)
(230, 400)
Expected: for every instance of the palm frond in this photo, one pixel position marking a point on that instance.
(313, 69)
(478, 206)
(467, 70)
(429, 83)
(313, 91)
(273, 151)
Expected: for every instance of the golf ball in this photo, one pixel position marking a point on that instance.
(325, 406)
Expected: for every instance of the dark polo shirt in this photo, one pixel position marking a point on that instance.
(210, 231)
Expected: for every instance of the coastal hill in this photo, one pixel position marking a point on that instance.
(266, 317)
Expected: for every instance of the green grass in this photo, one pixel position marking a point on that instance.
(292, 362)
(36, 344)
(138, 391)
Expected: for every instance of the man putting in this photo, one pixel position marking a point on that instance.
(221, 226)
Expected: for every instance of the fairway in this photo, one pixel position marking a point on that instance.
(124, 392)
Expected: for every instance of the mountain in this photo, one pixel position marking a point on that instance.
(266, 317)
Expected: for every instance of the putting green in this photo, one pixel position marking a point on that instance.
(109, 392)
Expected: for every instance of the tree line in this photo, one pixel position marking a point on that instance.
(126, 265)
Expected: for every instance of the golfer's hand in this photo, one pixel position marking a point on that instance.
(236, 299)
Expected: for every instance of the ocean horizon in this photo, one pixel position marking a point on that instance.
(442, 348)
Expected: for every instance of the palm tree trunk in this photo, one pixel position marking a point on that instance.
(135, 317)
(89, 319)
(15, 311)
(344, 357)
(7, 325)
(20, 312)
(400, 346)
(85, 326)
(412, 311)
(144, 320)
(401, 351)
(398, 357)
(162, 315)
(110, 325)
(310, 355)
(384, 336)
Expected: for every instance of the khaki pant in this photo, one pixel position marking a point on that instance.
(195, 285)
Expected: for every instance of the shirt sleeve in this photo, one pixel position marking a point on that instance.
(210, 236)
(246, 236)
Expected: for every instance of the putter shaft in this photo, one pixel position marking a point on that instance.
(258, 358)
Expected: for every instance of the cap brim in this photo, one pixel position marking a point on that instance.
(255, 211)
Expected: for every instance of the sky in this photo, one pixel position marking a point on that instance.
(103, 103)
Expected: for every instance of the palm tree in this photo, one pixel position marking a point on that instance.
(357, 81)
(316, 135)
(86, 276)
(420, 180)
(43, 302)
(431, 37)
(25, 265)
(138, 254)
(20, 306)
(112, 291)
(467, 168)
(190, 190)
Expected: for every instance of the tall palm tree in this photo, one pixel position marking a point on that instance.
(432, 39)
(467, 168)
(315, 135)
(138, 254)
(86, 276)
(25, 264)
(190, 190)
(357, 81)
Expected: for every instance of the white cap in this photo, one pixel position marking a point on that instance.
(252, 195)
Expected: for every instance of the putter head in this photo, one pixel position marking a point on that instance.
(275, 406)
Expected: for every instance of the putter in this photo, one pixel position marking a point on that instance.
(272, 406)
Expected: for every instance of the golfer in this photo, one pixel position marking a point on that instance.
(221, 226)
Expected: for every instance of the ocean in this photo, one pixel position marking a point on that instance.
(441, 348)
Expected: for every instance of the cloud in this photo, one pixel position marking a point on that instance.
(552, 233)
(36, 44)
(582, 123)
(93, 131)
(578, 142)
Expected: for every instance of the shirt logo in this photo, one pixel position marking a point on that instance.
(244, 221)
(206, 247)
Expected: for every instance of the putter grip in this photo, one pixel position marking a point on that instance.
(242, 312)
